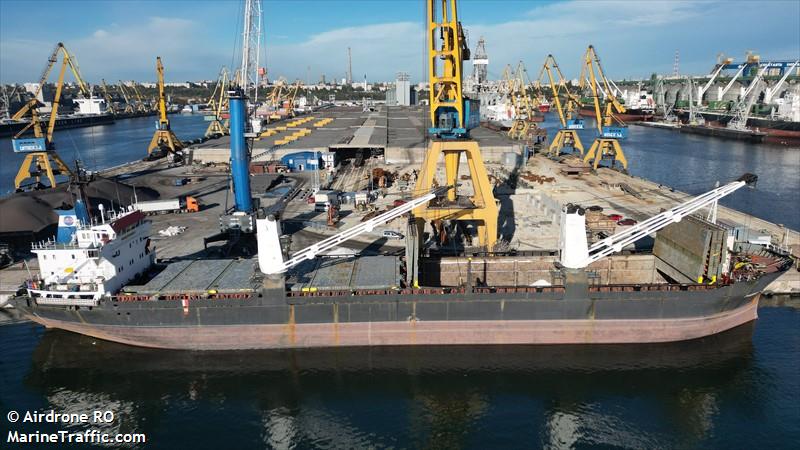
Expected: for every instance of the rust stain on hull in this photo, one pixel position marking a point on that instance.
(293, 335)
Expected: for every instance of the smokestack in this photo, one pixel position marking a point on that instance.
(349, 66)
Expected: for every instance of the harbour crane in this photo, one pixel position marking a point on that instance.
(289, 104)
(770, 92)
(275, 99)
(522, 103)
(567, 135)
(129, 103)
(40, 149)
(107, 97)
(140, 105)
(610, 128)
(451, 117)
(218, 102)
(741, 111)
(164, 138)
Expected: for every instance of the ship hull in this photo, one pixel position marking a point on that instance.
(775, 130)
(76, 121)
(402, 333)
(631, 115)
(397, 319)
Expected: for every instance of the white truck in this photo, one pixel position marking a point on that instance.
(172, 205)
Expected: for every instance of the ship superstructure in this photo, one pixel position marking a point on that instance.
(94, 260)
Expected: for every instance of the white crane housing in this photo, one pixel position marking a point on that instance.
(576, 255)
(270, 255)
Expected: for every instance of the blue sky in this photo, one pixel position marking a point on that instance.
(120, 39)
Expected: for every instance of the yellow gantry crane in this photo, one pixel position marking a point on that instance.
(452, 116)
(163, 139)
(40, 149)
(218, 102)
(610, 128)
(567, 135)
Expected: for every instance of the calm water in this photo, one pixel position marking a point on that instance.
(737, 390)
(103, 146)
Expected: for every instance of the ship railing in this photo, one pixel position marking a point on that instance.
(53, 245)
(663, 287)
(446, 291)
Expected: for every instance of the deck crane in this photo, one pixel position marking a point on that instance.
(270, 256)
(606, 145)
(577, 254)
(452, 116)
(218, 102)
(40, 149)
(164, 138)
(567, 135)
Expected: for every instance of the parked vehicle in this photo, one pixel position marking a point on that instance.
(173, 205)
(392, 234)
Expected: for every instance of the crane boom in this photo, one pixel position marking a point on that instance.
(615, 243)
(566, 136)
(771, 91)
(702, 90)
(271, 260)
(606, 145)
(164, 138)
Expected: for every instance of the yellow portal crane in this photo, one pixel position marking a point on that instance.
(275, 98)
(567, 135)
(289, 104)
(40, 149)
(218, 102)
(522, 103)
(163, 138)
(606, 145)
(129, 106)
(140, 105)
(452, 116)
(107, 97)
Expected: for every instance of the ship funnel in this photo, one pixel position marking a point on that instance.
(572, 244)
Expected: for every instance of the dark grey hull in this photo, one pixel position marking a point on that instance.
(273, 320)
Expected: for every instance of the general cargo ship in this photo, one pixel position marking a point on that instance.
(91, 282)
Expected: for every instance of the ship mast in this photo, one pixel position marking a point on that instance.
(251, 49)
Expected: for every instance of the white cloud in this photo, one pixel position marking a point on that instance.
(117, 52)
(378, 51)
(634, 38)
